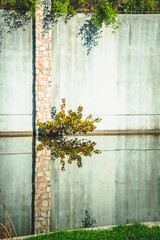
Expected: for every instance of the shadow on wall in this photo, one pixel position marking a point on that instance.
(89, 34)
(14, 20)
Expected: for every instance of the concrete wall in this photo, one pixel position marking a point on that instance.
(118, 186)
(16, 181)
(119, 80)
(15, 78)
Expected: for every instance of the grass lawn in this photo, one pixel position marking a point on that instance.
(135, 231)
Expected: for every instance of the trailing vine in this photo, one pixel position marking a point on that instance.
(104, 11)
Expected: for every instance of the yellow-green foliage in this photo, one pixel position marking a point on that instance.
(69, 123)
(74, 149)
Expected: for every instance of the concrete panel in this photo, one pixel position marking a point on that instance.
(16, 123)
(119, 80)
(92, 187)
(15, 78)
(118, 186)
(16, 181)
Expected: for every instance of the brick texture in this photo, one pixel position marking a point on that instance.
(43, 69)
(43, 64)
(42, 203)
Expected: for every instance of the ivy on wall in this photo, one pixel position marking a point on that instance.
(103, 10)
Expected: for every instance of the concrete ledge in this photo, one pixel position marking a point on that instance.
(95, 133)
(123, 132)
(149, 224)
(16, 134)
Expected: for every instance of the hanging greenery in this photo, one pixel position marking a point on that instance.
(103, 10)
(20, 5)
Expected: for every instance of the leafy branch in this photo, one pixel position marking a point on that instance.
(68, 124)
(74, 149)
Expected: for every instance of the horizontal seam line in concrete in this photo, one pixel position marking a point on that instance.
(95, 133)
(15, 153)
(16, 114)
(113, 150)
(118, 114)
(124, 114)
(109, 150)
(16, 134)
(122, 132)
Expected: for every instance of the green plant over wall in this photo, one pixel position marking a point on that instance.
(20, 5)
(68, 124)
(144, 6)
(103, 11)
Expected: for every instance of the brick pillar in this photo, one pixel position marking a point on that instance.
(42, 192)
(43, 68)
(43, 62)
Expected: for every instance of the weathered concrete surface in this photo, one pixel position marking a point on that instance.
(118, 186)
(15, 78)
(16, 181)
(119, 81)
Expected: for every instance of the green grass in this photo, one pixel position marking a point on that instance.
(136, 231)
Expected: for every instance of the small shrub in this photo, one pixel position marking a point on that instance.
(88, 221)
(68, 124)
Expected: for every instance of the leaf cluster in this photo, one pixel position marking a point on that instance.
(20, 5)
(145, 6)
(74, 149)
(68, 124)
(103, 10)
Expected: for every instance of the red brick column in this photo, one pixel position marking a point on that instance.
(42, 192)
(43, 64)
(43, 68)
